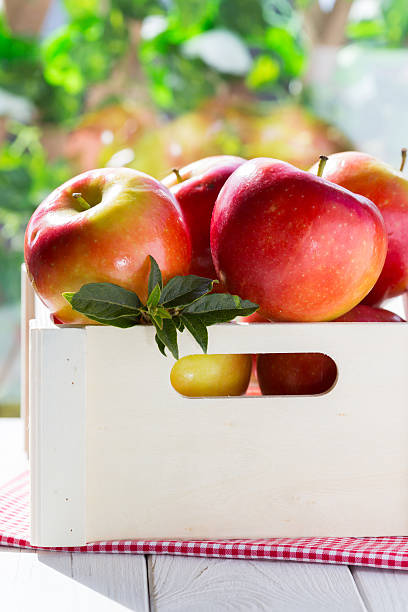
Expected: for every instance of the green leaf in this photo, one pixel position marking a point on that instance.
(178, 323)
(182, 290)
(161, 345)
(156, 320)
(155, 277)
(219, 308)
(68, 295)
(197, 329)
(123, 322)
(168, 336)
(154, 296)
(163, 313)
(105, 301)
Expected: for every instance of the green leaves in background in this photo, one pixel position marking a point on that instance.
(386, 24)
(184, 303)
(269, 32)
(84, 51)
(26, 178)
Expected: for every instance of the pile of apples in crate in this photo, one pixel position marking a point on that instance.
(223, 238)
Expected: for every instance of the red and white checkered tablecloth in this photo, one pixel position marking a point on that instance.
(390, 552)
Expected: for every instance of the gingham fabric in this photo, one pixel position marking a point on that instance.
(374, 552)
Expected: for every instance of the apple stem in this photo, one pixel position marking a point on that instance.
(81, 201)
(403, 158)
(178, 175)
(322, 162)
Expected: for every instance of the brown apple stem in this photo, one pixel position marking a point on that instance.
(81, 201)
(178, 175)
(403, 158)
(322, 162)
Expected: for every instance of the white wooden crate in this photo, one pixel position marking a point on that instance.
(117, 453)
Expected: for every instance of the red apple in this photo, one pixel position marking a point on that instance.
(295, 373)
(196, 188)
(309, 373)
(104, 235)
(388, 189)
(362, 313)
(253, 318)
(294, 243)
(104, 131)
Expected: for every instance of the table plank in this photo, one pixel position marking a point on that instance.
(182, 584)
(43, 582)
(121, 577)
(382, 590)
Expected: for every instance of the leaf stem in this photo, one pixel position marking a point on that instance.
(403, 158)
(81, 201)
(322, 162)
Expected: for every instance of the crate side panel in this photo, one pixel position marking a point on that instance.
(57, 436)
(27, 313)
(163, 466)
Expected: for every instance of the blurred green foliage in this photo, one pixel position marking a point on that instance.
(269, 31)
(388, 27)
(26, 178)
(55, 73)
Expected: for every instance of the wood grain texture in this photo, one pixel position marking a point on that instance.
(48, 581)
(182, 584)
(57, 436)
(31, 582)
(122, 578)
(318, 478)
(382, 590)
(27, 313)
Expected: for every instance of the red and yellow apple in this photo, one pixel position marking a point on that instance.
(211, 375)
(196, 188)
(101, 226)
(388, 189)
(297, 245)
(104, 131)
(231, 126)
(310, 373)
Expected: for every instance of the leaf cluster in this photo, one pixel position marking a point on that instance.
(269, 31)
(387, 26)
(185, 302)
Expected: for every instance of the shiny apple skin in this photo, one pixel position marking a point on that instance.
(66, 247)
(364, 313)
(201, 183)
(255, 317)
(211, 375)
(295, 373)
(300, 247)
(310, 373)
(388, 189)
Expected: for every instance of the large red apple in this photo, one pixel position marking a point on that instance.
(104, 235)
(196, 188)
(388, 189)
(310, 373)
(299, 246)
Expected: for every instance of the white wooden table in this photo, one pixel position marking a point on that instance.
(49, 581)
